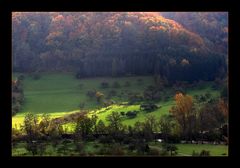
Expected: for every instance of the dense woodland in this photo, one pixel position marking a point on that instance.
(122, 43)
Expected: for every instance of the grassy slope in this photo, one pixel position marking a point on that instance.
(60, 94)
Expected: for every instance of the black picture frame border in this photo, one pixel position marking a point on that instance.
(107, 5)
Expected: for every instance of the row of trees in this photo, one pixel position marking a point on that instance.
(185, 121)
(36, 133)
(17, 95)
(192, 119)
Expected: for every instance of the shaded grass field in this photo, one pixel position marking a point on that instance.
(60, 94)
(187, 149)
(91, 148)
(215, 150)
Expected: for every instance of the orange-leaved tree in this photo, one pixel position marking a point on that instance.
(185, 114)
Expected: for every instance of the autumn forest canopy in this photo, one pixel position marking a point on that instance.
(176, 45)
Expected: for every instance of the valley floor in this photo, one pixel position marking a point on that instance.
(96, 149)
(60, 94)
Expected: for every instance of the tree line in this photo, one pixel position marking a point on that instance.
(17, 94)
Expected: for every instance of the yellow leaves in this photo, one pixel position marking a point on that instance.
(184, 103)
(99, 94)
(223, 106)
(58, 18)
(157, 28)
(153, 28)
(184, 62)
(54, 34)
(127, 23)
(225, 29)
(194, 50)
(178, 96)
(50, 38)
(172, 61)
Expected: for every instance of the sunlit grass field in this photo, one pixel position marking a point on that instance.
(59, 94)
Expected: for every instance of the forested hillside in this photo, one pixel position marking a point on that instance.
(211, 26)
(120, 43)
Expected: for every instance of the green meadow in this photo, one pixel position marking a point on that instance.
(93, 148)
(215, 150)
(59, 94)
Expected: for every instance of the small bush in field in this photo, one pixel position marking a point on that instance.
(36, 76)
(116, 85)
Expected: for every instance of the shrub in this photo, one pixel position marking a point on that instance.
(36, 76)
(127, 84)
(21, 77)
(99, 96)
(153, 152)
(152, 93)
(179, 90)
(224, 92)
(16, 108)
(81, 105)
(107, 103)
(139, 81)
(32, 146)
(104, 85)
(131, 114)
(105, 139)
(148, 107)
(166, 97)
(112, 93)
(117, 150)
(174, 139)
(131, 147)
(170, 148)
(104, 151)
(196, 97)
(96, 145)
(91, 93)
(204, 153)
(202, 98)
(80, 85)
(195, 153)
(128, 140)
(208, 95)
(42, 148)
(116, 85)
(134, 97)
(142, 148)
(16, 134)
(80, 75)
(122, 113)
